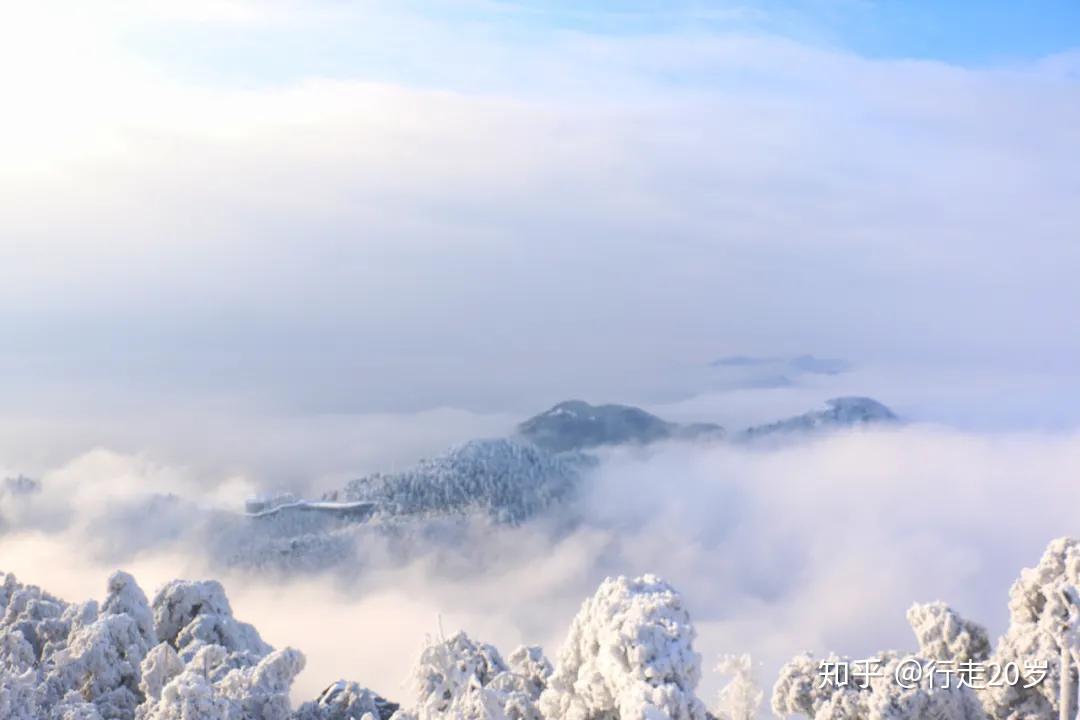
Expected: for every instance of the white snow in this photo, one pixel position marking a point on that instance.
(1044, 629)
(629, 655)
(459, 678)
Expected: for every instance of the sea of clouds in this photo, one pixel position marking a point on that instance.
(817, 543)
(227, 274)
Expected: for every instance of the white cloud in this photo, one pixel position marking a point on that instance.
(514, 224)
(812, 546)
(618, 203)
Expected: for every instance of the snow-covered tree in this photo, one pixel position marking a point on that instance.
(347, 701)
(877, 695)
(944, 635)
(872, 692)
(207, 688)
(529, 663)
(210, 665)
(191, 615)
(101, 663)
(79, 661)
(461, 679)
(1043, 611)
(629, 656)
(1042, 644)
(190, 693)
(75, 661)
(159, 667)
(18, 697)
(741, 697)
(508, 480)
(799, 690)
(125, 597)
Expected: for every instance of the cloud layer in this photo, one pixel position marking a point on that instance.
(219, 264)
(581, 212)
(817, 545)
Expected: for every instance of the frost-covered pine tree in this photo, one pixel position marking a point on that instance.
(1044, 606)
(69, 660)
(209, 665)
(510, 481)
(190, 615)
(801, 691)
(458, 679)
(125, 597)
(347, 701)
(101, 664)
(741, 698)
(1042, 644)
(185, 657)
(629, 656)
(943, 636)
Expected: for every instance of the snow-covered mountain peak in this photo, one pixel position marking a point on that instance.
(841, 412)
(577, 425)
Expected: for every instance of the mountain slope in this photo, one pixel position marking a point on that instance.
(577, 425)
(841, 412)
(509, 480)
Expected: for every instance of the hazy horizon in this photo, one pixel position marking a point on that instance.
(260, 246)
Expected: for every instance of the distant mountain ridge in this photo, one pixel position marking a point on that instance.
(842, 412)
(508, 481)
(577, 425)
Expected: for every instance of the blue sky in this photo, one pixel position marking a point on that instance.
(962, 31)
(459, 44)
(958, 31)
